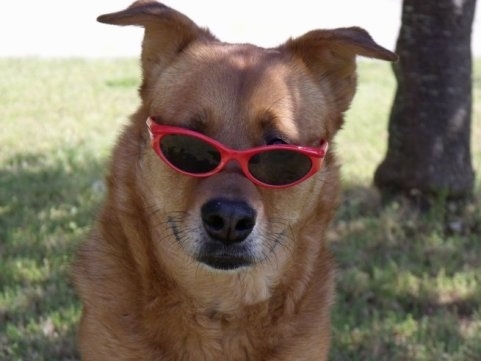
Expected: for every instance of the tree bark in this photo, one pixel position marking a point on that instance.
(430, 122)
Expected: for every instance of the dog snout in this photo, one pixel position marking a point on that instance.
(228, 221)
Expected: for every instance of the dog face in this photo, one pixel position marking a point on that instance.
(224, 227)
(243, 97)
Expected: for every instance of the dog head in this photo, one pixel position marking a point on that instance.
(243, 97)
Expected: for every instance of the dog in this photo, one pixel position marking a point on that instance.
(210, 244)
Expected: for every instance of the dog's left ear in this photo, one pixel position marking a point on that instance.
(167, 33)
(331, 54)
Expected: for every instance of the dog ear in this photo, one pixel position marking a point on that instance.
(331, 55)
(167, 32)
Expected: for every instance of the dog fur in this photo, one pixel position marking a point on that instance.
(145, 294)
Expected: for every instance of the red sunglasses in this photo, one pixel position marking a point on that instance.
(270, 166)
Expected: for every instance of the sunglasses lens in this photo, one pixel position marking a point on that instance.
(189, 154)
(279, 167)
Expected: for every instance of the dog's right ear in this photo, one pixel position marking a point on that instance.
(330, 55)
(167, 32)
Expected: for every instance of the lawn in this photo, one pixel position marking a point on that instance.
(409, 284)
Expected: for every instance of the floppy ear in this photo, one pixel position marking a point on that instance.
(330, 55)
(167, 32)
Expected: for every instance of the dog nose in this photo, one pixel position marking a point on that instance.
(228, 221)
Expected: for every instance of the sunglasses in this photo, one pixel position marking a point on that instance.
(270, 166)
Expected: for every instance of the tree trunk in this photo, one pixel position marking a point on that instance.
(430, 123)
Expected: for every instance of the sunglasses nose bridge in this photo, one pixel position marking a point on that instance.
(235, 161)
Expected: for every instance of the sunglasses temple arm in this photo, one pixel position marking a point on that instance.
(324, 148)
(149, 123)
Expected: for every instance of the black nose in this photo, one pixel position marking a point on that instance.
(228, 221)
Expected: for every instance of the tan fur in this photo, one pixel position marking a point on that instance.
(145, 297)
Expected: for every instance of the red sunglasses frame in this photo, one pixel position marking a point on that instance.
(315, 154)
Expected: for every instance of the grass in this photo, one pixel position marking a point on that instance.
(409, 284)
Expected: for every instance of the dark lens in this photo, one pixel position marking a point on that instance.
(279, 167)
(189, 154)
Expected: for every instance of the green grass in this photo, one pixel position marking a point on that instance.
(409, 284)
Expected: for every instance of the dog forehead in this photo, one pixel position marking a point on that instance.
(239, 56)
(236, 68)
(238, 94)
(231, 79)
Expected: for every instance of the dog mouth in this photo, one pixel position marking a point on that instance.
(224, 258)
(225, 262)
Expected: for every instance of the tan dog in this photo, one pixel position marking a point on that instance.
(196, 260)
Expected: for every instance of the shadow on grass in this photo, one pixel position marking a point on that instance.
(47, 203)
(408, 286)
